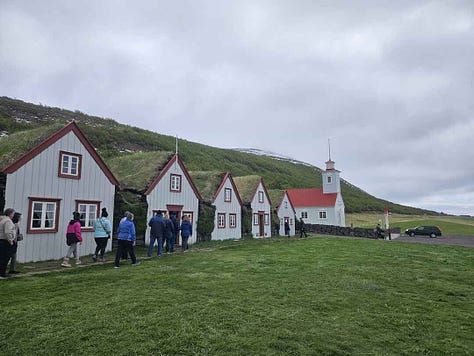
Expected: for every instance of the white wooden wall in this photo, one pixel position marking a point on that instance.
(256, 207)
(232, 207)
(285, 210)
(161, 196)
(39, 178)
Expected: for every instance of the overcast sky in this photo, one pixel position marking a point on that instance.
(389, 82)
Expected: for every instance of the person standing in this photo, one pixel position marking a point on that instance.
(102, 231)
(74, 227)
(302, 229)
(174, 221)
(127, 238)
(18, 237)
(169, 228)
(186, 231)
(157, 232)
(7, 236)
(287, 228)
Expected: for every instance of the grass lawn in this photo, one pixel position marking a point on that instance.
(449, 225)
(320, 295)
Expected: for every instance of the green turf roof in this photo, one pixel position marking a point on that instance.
(247, 185)
(275, 197)
(137, 170)
(14, 146)
(207, 182)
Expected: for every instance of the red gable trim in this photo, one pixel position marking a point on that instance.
(281, 201)
(174, 159)
(227, 176)
(311, 197)
(72, 126)
(264, 189)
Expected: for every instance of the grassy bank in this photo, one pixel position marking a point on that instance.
(273, 296)
(449, 225)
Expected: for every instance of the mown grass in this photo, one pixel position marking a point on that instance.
(275, 296)
(449, 225)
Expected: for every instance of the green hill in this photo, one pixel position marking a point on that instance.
(115, 142)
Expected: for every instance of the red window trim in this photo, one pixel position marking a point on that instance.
(180, 182)
(235, 220)
(96, 202)
(79, 165)
(218, 220)
(29, 230)
(230, 195)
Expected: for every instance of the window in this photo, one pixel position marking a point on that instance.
(267, 219)
(175, 182)
(43, 215)
(304, 214)
(69, 165)
(285, 204)
(233, 221)
(255, 219)
(329, 179)
(260, 196)
(221, 220)
(227, 194)
(291, 221)
(322, 215)
(88, 211)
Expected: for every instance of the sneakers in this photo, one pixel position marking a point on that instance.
(117, 267)
(4, 277)
(66, 262)
(94, 258)
(78, 261)
(136, 264)
(101, 259)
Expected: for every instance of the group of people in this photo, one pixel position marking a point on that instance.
(9, 237)
(164, 229)
(300, 226)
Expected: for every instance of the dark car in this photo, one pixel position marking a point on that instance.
(431, 231)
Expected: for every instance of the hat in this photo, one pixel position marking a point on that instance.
(104, 213)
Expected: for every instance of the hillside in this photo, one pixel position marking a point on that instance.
(113, 140)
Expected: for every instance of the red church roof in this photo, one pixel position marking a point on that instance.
(311, 197)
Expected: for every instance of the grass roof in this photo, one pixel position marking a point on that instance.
(207, 182)
(275, 197)
(247, 185)
(137, 170)
(14, 146)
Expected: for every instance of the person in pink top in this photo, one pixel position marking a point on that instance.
(74, 227)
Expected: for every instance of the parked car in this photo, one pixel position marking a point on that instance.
(431, 231)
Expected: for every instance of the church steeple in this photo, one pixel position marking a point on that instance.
(331, 177)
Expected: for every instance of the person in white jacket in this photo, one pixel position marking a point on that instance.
(7, 238)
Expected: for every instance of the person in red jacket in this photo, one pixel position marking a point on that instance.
(74, 227)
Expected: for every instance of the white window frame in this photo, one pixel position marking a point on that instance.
(48, 210)
(260, 196)
(227, 195)
(323, 215)
(175, 182)
(221, 220)
(266, 218)
(255, 219)
(329, 179)
(304, 214)
(70, 165)
(232, 220)
(89, 211)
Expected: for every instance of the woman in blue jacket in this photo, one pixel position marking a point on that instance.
(126, 240)
(186, 231)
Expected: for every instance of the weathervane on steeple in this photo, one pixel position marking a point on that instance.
(329, 145)
(176, 144)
